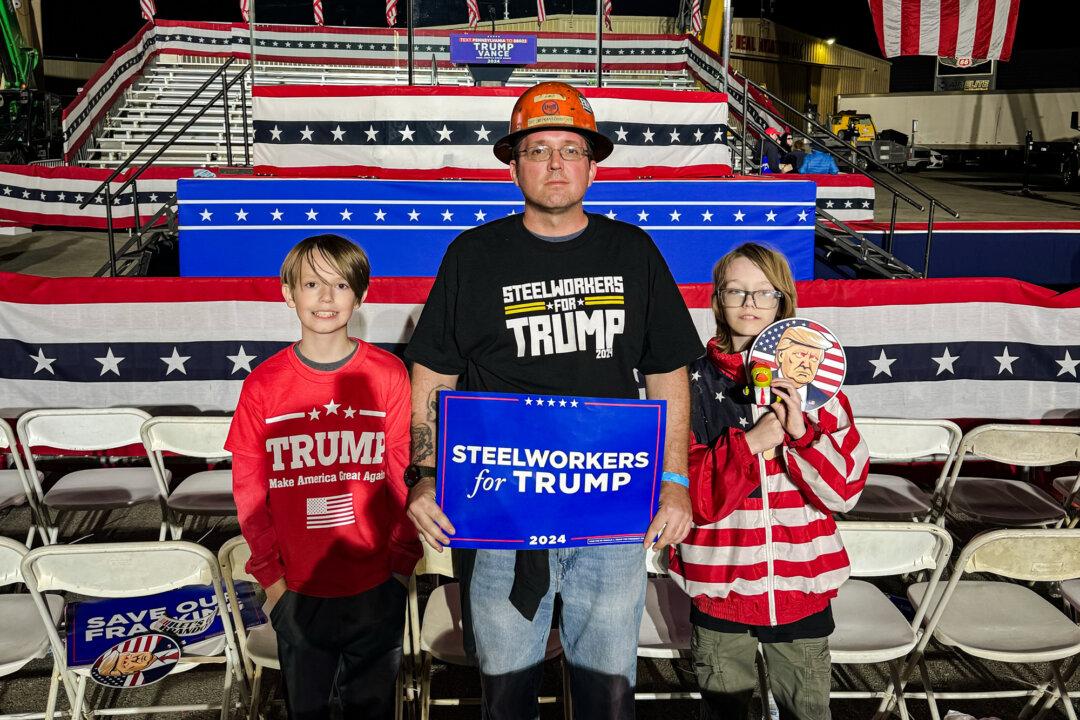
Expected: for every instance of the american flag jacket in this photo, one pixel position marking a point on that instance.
(764, 551)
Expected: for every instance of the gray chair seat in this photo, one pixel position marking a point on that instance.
(1063, 486)
(1005, 502)
(262, 646)
(891, 496)
(869, 628)
(441, 633)
(1002, 621)
(103, 488)
(24, 637)
(1070, 592)
(665, 624)
(205, 493)
(11, 489)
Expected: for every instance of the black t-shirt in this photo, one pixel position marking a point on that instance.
(510, 312)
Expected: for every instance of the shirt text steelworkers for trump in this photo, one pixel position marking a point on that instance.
(553, 317)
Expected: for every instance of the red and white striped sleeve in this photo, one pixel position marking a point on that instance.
(721, 475)
(830, 462)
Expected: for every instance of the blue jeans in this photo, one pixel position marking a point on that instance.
(603, 595)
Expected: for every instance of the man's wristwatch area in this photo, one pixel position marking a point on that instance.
(416, 473)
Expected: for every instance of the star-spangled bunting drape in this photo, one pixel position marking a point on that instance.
(148, 9)
(472, 7)
(963, 29)
(994, 348)
(318, 11)
(391, 13)
(695, 17)
(607, 14)
(244, 10)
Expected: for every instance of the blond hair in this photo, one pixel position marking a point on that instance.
(777, 271)
(345, 256)
(802, 336)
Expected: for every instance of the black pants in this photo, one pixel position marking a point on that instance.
(349, 647)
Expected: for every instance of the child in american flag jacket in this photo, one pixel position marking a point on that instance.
(764, 558)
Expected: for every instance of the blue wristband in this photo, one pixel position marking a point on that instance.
(674, 477)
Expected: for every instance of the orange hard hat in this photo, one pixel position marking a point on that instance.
(552, 106)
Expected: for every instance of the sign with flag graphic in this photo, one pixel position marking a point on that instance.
(806, 353)
(528, 472)
(141, 660)
(245, 227)
(960, 348)
(963, 29)
(449, 132)
(330, 511)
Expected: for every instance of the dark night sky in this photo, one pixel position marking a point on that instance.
(76, 28)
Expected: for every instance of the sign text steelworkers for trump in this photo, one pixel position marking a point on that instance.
(536, 471)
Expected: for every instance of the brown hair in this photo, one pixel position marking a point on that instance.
(776, 269)
(345, 256)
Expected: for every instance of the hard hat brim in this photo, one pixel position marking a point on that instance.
(601, 144)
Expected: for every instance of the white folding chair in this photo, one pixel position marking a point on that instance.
(665, 625)
(869, 627)
(203, 494)
(1004, 502)
(15, 489)
(1006, 622)
(23, 637)
(258, 648)
(893, 497)
(97, 490)
(440, 635)
(129, 569)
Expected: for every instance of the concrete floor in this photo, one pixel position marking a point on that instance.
(975, 195)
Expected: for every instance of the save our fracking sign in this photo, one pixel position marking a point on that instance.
(540, 471)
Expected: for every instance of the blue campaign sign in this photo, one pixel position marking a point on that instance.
(538, 471)
(190, 614)
(492, 49)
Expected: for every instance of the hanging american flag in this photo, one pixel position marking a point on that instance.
(317, 7)
(695, 17)
(244, 10)
(424, 133)
(148, 8)
(473, 8)
(962, 29)
(541, 13)
(607, 14)
(391, 13)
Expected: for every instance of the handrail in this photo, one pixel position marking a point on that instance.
(153, 136)
(866, 156)
(166, 210)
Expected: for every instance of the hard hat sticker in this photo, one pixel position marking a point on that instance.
(550, 107)
(585, 104)
(549, 96)
(549, 120)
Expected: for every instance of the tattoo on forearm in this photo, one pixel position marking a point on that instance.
(423, 443)
(433, 402)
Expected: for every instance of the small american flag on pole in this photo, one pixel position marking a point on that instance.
(541, 13)
(317, 6)
(695, 16)
(331, 511)
(607, 14)
(391, 13)
(244, 10)
(148, 8)
(473, 7)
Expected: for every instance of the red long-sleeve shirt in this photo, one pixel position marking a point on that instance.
(318, 463)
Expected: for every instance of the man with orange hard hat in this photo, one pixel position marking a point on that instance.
(474, 334)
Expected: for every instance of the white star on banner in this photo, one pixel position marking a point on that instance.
(241, 360)
(276, 213)
(414, 216)
(1005, 361)
(7, 191)
(241, 214)
(153, 197)
(706, 216)
(79, 198)
(866, 203)
(739, 215)
(945, 362)
(770, 216)
(349, 412)
(110, 363)
(331, 407)
(311, 214)
(883, 364)
(371, 132)
(551, 403)
(621, 134)
(275, 133)
(346, 214)
(698, 135)
(338, 133)
(562, 403)
(314, 414)
(175, 362)
(642, 216)
(828, 203)
(803, 215)
(1068, 365)
(573, 403)
(447, 216)
(528, 401)
(675, 136)
(675, 215)
(610, 214)
(483, 134)
(718, 135)
(306, 134)
(539, 402)
(648, 135)
(407, 134)
(480, 215)
(444, 133)
(380, 215)
(206, 215)
(42, 362)
(847, 203)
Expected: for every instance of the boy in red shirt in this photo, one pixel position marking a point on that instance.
(320, 440)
